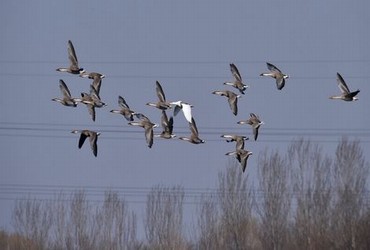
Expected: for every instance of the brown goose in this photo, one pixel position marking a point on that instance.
(232, 98)
(194, 137)
(242, 157)
(148, 127)
(277, 74)
(93, 137)
(92, 101)
(167, 125)
(161, 104)
(239, 139)
(255, 122)
(125, 109)
(237, 83)
(67, 100)
(346, 94)
(97, 79)
(73, 62)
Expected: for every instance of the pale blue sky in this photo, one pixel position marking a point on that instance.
(187, 46)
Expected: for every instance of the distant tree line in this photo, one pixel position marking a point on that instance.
(302, 199)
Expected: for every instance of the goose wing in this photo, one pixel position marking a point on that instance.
(96, 84)
(233, 102)
(272, 67)
(280, 82)
(186, 109)
(122, 103)
(342, 84)
(64, 89)
(235, 72)
(93, 143)
(83, 137)
(91, 109)
(160, 92)
(149, 135)
(72, 55)
(193, 127)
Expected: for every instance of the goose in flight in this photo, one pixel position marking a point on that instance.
(147, 125)
(92, 101)
(242, 157)
(346, 95)
(277, 74)
(239, 139)
(185, 107)
(97, 79)
(194, 136)
(67, 100)
(161, 104)
(93, 137)
(125, 109)
(73, 62)
(255, 122)
(232, 98)
(167, 125)
(237, 83)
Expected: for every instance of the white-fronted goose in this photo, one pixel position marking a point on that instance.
(167, 125)
(67, 100)
(125, 109)
(239, 139)
(242, 157)
(92, 101)
(232, 98)
(161, 104)
(277, 74)
(346, 95)
(185, 107)
(255, 122)
(97, 79)
(237, 83)
(93, 137)
(73, 62)
(194, 137)
(148, 127)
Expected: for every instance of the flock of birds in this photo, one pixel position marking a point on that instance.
(92, 100)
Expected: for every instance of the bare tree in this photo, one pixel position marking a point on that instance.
(32, 220)
(312, 184)
(164, 214)
(273, 202)
(350, 173)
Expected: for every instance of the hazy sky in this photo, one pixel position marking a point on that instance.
(187, 46)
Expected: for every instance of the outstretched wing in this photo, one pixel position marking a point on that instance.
(342, 84)
(72, 55)
(160, 92)
(272, 67)
(93, 143)
(83, 137)
(64, 89)
(235, 72)
(122, 103)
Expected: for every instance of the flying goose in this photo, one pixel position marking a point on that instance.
(92, 101)
(239, 139)
(277, 74)
(242, 157)
(194, 137)
(185, 107)
(346, 95)
(167, 125)
(73, 62)
(67, 100)
(97, 79)
(148, 127)
(232, 98)
(125, 109)
(237, 83)
(161, 104)
(93, 137)
(255, 122)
